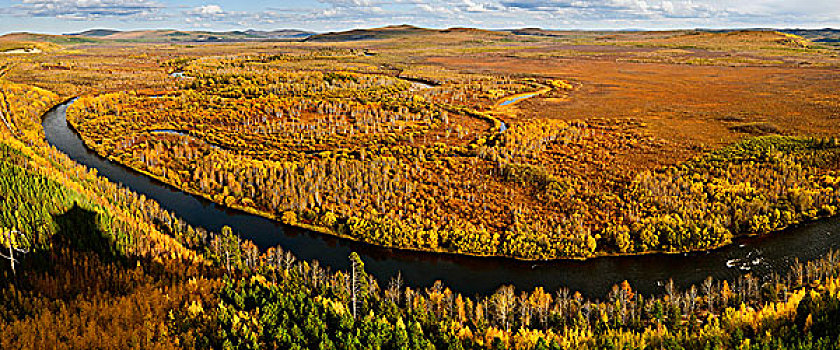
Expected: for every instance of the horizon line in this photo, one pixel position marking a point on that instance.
(629, 29)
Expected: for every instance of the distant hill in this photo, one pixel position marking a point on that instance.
(95, 32)
(744, 38)
(280, 34)
(398, 31)
(825, 36)
(45, 38)
(533, 31)
(169, 35)
(796, 37)
(371, 34)
(34, 43)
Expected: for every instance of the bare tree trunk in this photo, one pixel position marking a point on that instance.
(10, 237)
(353, 287)
(12, 254)
(3, 113)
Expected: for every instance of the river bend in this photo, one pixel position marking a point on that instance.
(468, 275)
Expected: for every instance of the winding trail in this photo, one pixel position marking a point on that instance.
(469, 275)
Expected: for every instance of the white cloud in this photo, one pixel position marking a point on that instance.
(89, 9)
(208, 10)
(349, 3)
(207, 16)
(344, 14)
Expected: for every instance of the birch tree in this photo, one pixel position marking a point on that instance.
(17, 245)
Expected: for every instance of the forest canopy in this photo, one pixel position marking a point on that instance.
(540, 147)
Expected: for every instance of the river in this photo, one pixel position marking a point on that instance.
(510, 101)
(468, 275)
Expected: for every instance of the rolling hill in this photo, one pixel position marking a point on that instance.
(401, 31)
(165, 35)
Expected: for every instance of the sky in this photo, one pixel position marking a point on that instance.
(66, 16)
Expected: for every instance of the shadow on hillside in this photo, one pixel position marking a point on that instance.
(79, 231)
(82, 258)
(78, 235)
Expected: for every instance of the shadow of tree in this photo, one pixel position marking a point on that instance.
(83, 259)
(78, 256)
(79, 231)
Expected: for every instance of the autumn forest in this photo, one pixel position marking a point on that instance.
(525, 145)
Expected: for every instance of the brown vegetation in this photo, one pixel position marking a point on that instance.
(348, 138)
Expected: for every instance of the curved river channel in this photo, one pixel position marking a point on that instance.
(469, 275)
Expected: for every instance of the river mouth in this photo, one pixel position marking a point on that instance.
(761, 256)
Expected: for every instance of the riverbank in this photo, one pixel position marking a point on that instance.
(465, 273)
(335, 233)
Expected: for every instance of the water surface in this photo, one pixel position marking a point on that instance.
(468, 275)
